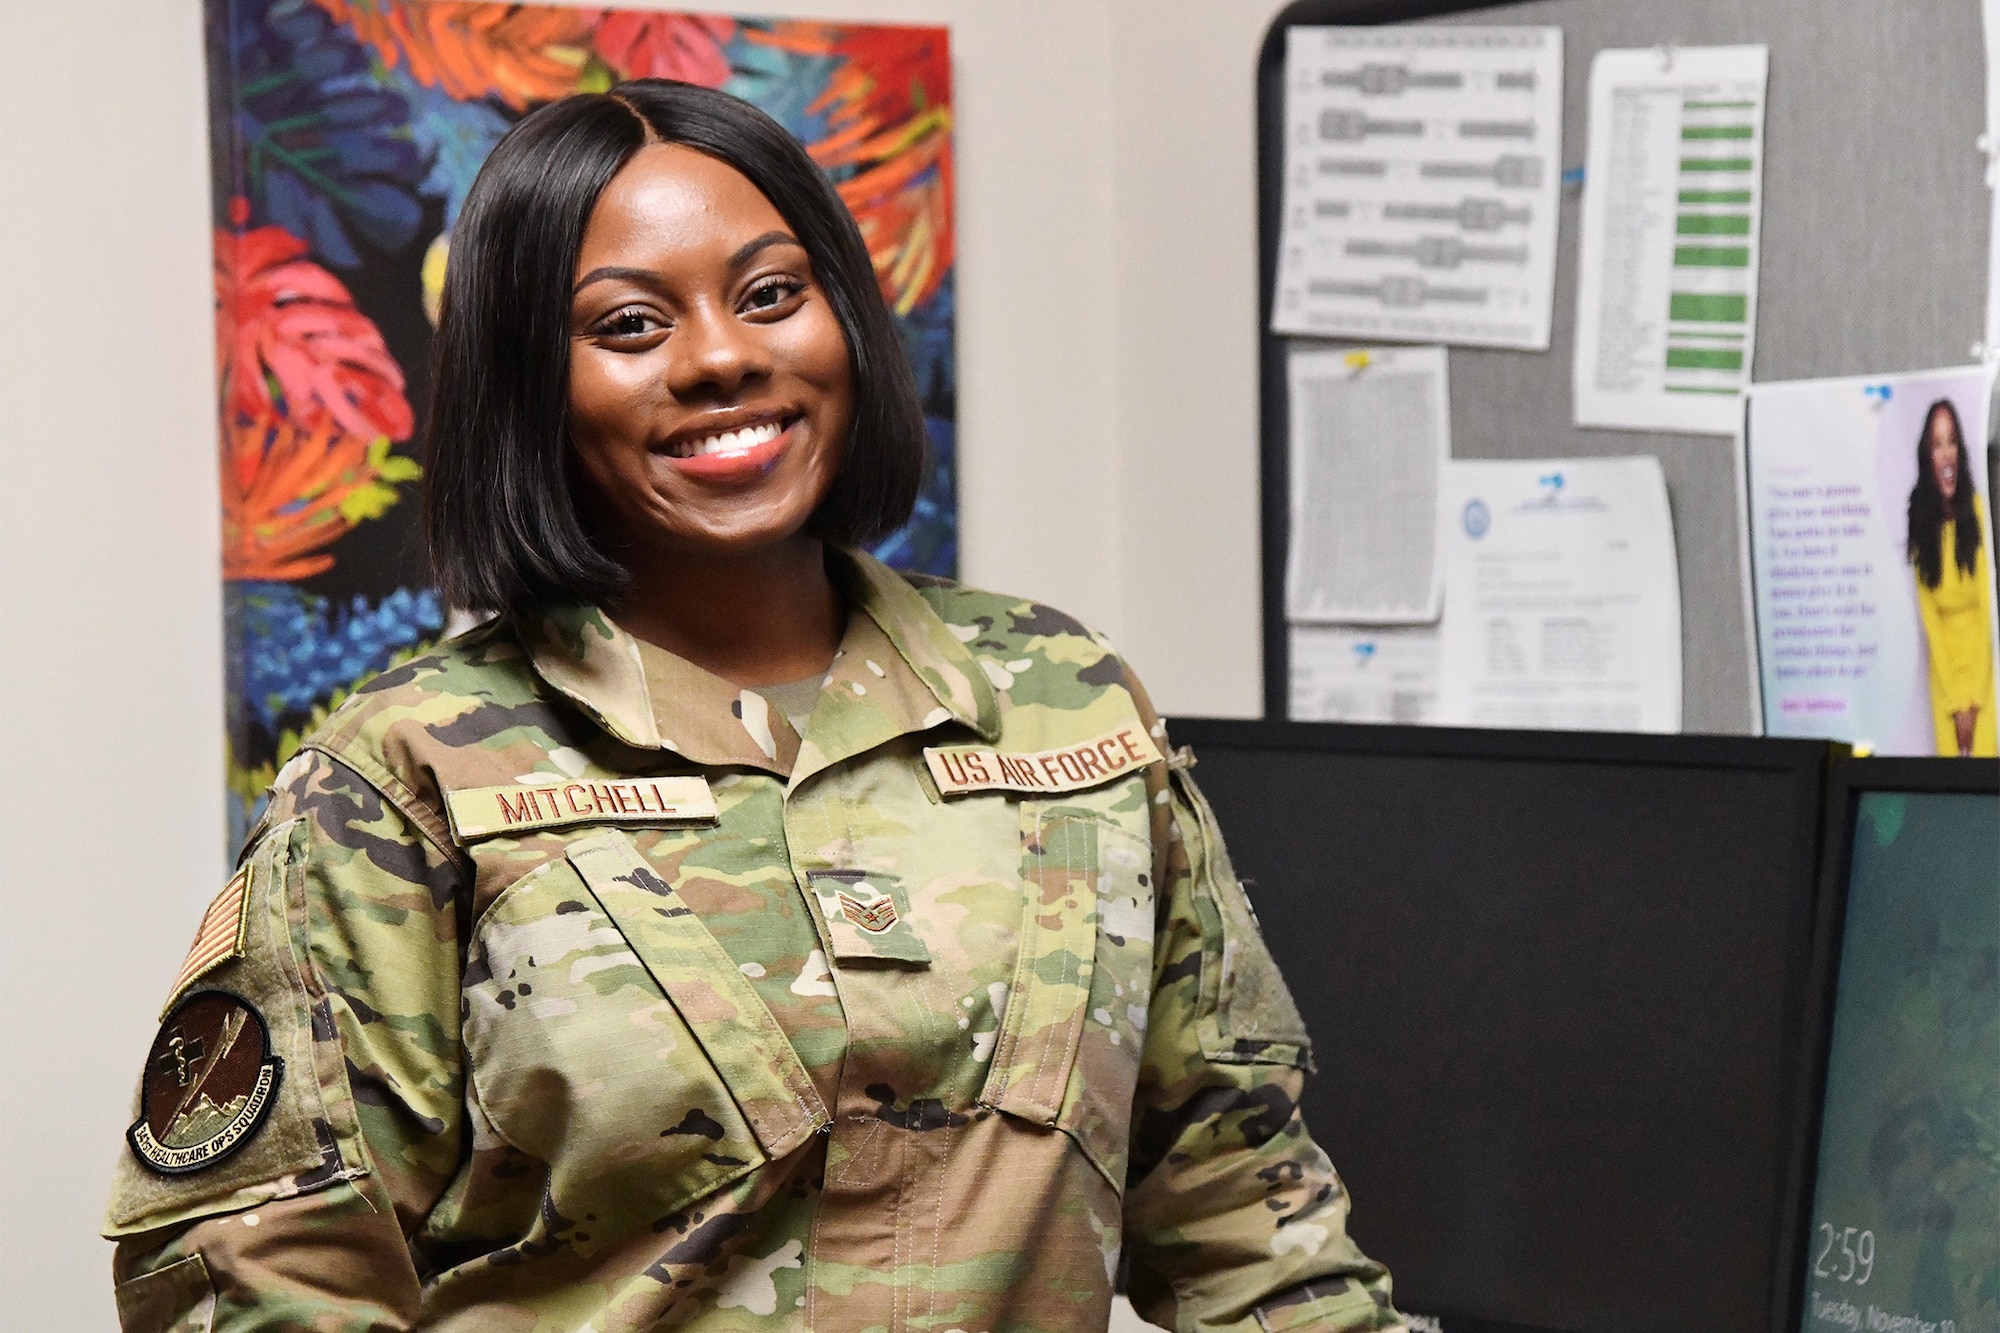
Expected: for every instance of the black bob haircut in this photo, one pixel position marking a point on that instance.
(502, 525)
(1929, 509)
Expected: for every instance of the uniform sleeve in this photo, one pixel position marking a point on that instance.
(1234, 1217)
(346, 935)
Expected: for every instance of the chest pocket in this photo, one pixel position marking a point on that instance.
(611, 1035)
(1067, 1052)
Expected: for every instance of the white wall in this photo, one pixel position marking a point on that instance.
(110, 612)
(1185, 228)
(1107, 427)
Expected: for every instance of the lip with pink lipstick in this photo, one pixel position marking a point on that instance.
(730, 451)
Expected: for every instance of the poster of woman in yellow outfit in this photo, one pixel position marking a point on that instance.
(1947, 549)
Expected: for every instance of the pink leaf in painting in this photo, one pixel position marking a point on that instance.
(282, 322)
(687, 47)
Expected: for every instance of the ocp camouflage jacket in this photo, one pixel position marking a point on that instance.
(597, 997)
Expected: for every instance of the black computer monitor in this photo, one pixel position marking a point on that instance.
(1557, 986)
(1903, 1227)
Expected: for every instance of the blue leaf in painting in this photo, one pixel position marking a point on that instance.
(927, 336)
(308, 216)
(312, 139)
(928, 543)
(293, 649)
(385, 214)
(780, 83)
(453, 136)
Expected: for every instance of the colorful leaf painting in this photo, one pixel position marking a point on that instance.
(888, 143)
(284, 323)
(521, 54)
(346, 134)
(306, 135)
(289, 491)
(688, 47)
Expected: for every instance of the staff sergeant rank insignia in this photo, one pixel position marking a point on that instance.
(210, 1080)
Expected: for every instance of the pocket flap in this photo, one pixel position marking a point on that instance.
(734, 1026)
(179, 1298)
(1051, 989)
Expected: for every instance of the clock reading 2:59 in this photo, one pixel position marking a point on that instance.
(1847, 1256)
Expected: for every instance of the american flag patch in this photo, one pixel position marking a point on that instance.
(221, 937)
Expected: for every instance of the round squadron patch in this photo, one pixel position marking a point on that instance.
(210, 1081)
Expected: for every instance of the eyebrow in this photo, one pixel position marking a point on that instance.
(647, 277)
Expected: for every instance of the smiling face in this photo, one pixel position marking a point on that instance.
(1944, 454)
(709, 386)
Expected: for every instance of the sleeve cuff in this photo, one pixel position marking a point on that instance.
(1329, 1306)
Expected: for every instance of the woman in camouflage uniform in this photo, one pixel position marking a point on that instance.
(732, 933)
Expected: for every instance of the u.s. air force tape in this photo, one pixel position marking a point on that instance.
(959, 769)
(482, 812)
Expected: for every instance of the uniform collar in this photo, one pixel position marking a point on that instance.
(900, 670)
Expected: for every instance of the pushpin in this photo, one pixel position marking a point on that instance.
(1359, 360)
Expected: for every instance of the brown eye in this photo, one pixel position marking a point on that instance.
(631, 322)
(772, 293)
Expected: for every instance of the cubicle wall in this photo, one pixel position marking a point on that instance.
(1557, 984)
(1872, 259)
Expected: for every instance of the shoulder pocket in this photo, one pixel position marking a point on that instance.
(1247, 1013)
(609, 1031)
(309, 1138)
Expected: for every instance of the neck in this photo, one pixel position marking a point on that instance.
(765, 617)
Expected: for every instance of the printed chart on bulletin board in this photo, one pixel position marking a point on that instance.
(344, 137)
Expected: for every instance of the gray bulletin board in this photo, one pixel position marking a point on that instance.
(1872, 260)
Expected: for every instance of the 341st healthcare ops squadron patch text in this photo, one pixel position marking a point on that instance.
(210, 1080)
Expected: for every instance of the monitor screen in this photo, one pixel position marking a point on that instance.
(1905, 1224)
(1556, 987)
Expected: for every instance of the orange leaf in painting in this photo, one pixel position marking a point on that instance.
(522, 54)
(282, 320)
(688, 47)
(283, 487)
(889, 123)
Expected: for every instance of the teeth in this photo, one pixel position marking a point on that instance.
(733, 441)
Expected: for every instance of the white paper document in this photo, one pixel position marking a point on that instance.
(1421, 171)
(1362, 673)
(1370, 434)
(1666, 305)
(1562, 597)
(1874, 616)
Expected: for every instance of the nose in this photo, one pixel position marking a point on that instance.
(716, 355)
